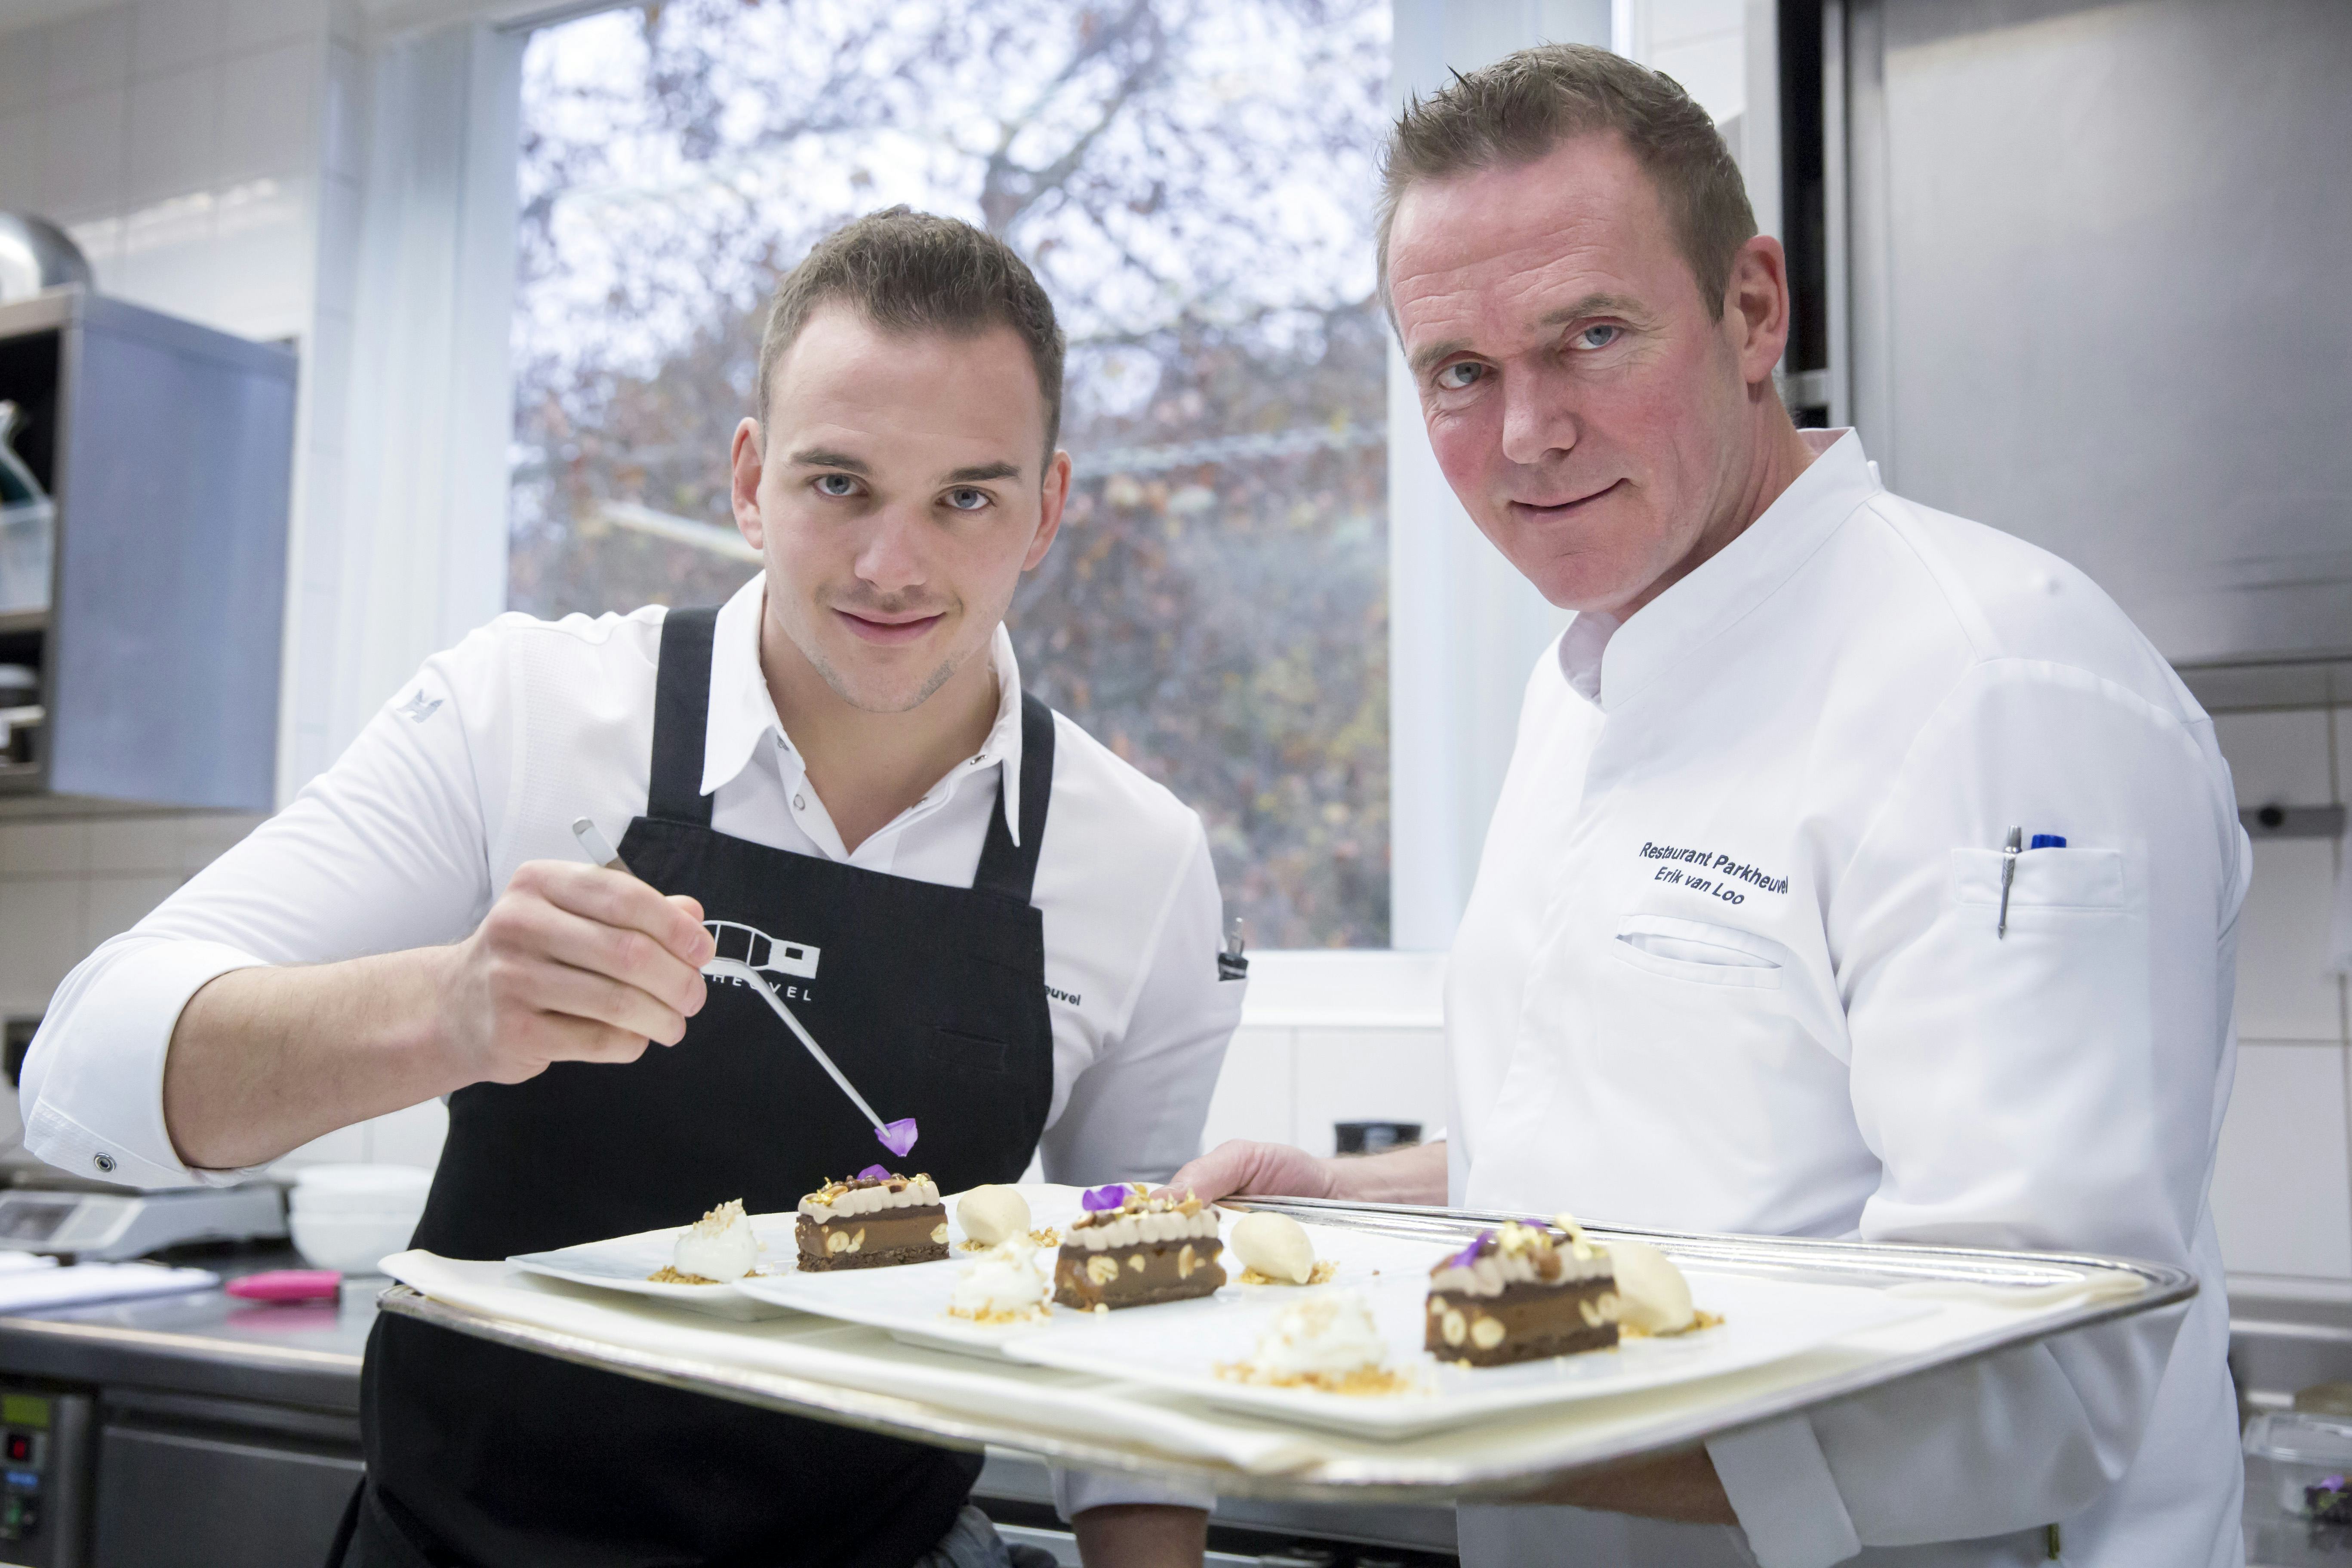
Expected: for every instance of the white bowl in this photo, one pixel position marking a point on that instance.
(359, 1189)
(351, 1243)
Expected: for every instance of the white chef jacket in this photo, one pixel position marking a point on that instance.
(1730, 963)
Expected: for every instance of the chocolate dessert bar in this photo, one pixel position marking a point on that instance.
(1520, 1293)
(875, 1219)
(1128, 1251)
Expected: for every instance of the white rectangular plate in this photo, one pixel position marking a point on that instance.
(624, 1262)
(1179, 1347)
(910, 1301)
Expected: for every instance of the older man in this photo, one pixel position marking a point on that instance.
(1860, 871)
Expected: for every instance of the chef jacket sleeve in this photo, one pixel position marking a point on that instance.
(1136, 1112)
(2059, 1087)
(385, 850)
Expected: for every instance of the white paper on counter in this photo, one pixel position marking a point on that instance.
(26, 1290)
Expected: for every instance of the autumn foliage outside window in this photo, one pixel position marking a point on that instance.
(1193, 183)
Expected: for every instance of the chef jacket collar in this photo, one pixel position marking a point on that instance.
(1609, 662)
(743, 711)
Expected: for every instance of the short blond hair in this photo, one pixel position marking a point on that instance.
(1518, 110)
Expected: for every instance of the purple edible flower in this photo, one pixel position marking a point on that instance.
(1468, 1256)
(898, 1136)
(874, 1173)
(1101, 1200)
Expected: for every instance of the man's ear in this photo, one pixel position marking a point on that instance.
(1756, 307)
(1054, 496)
(749, 460)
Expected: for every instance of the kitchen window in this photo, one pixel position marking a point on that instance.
(1193, 181)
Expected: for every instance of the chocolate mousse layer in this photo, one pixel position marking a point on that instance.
(1528, 1321)
(913, 1234)
(1137, 1276)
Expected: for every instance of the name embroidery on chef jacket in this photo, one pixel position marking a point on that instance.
(1710, 872)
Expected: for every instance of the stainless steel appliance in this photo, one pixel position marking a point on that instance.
(87, 1222)
(2073, 272)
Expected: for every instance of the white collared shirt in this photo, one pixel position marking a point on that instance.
(1732, 963)
(484, 760)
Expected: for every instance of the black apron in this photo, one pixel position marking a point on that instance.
(932, 1000)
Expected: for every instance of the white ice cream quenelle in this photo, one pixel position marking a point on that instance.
(720, 1245)
(993, 1214)
(1652, 1294)
(1328, 1334)
(1006, 1281)
(1276, 1245)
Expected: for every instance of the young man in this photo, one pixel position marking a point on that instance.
(1009, 935)
(1746, 951)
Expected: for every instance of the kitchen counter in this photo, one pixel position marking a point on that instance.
(204, 1343)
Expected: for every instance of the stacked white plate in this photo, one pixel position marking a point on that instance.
(346, 1218)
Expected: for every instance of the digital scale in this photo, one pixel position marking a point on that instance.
(111, 1224)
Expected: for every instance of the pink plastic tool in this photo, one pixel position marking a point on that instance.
(288, 1285)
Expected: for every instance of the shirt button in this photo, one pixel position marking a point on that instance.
(105, 1163)
(800, 802)
(977, 761)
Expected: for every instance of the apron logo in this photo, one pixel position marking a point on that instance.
(755, 949)
(1705, 871)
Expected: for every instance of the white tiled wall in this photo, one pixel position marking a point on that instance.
(2283, 1189)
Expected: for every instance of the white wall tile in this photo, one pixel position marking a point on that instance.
(23, 69)
(118, 903)
(91, 50)
(264, 246)
(1254, 1094)
(1713, 70)
(174, 134)
(256, 23)
(83, 164)
(342, 105)
(172, 35)
(170, 262)
(337, 280)
(269, 114)
(40, 938)
(147, 844)
(44, 848)
(2342, 725)
(2284, 992)
(2283, 1184)
(1366, 1075)
(21, 141)
(1672, 21)
(326, 386)
(2276, 759)
(410, 1137)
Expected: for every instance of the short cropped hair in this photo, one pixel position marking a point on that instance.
(917, 272)
(1518, 110)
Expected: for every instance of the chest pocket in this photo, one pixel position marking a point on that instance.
(1699, 952)
(2085, 880)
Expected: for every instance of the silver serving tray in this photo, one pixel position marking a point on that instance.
(1405, 1476)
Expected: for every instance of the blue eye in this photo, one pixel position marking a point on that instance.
(835, 485)
(1462, 373)
(967, 499)
(1598, 337)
